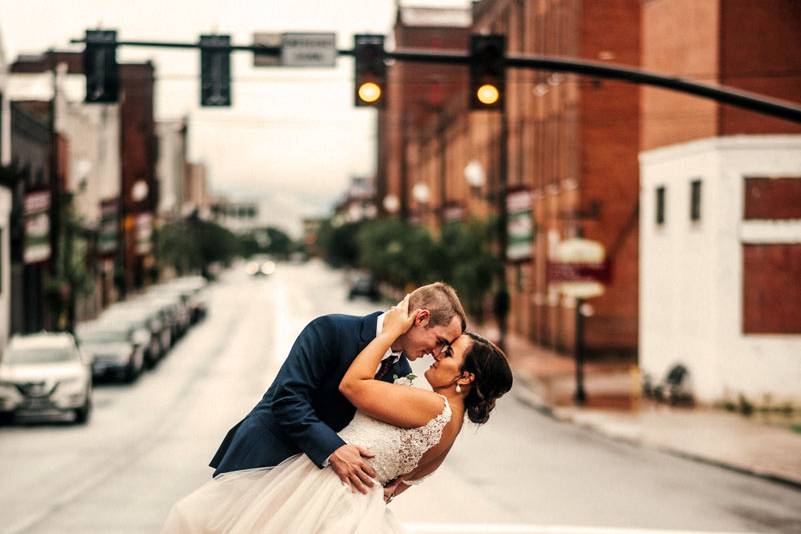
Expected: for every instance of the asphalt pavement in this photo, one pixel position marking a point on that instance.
(148, 444)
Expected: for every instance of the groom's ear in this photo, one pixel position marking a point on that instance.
(423, 317)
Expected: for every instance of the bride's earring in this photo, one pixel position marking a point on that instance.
(458, 388)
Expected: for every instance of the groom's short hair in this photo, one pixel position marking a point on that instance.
(441, 300)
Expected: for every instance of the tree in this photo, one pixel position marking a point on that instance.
(467, 262)
(338, 243)
(192, 244)
(397, 252)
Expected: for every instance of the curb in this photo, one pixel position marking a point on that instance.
(527, 396)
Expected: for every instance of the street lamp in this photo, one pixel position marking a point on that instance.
(391, 203)
(474, 174)
(421, 193)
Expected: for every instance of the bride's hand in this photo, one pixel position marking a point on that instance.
(398, 320)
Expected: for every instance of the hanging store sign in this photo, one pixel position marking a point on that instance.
(37, 227)
(108, 228)
(520, 225)
(144, 234)
(579, 268)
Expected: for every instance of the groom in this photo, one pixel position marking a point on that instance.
(303, 410)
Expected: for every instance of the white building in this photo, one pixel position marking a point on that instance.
(171, 167)
(720, 266)
(5, 206)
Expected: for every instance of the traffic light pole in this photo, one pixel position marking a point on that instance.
(727, 95)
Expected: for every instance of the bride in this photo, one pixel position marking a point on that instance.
(409, 431)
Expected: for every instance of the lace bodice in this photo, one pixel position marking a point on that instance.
(397, 450)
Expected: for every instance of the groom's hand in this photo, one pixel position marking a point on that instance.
(348, 462)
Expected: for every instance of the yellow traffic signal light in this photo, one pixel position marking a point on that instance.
(371, 71)
(488, 94)
(487, 71)
(369, 92)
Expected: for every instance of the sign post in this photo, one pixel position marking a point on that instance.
(579, 269)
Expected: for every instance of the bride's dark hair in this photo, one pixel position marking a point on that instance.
(493, 377)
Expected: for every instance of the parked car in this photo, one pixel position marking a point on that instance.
(115, 348)
(45, 374)
(139, 314)
(190, 290)
(364, 286)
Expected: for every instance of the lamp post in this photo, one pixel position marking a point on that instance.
(501, 301)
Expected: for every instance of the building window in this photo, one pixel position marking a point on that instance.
(773, 198)
(695, 200)
(660, 205)
(771, 292)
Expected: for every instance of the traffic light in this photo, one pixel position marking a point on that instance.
(371, 71)
(487, 71)
(215, 70)
(100, 67)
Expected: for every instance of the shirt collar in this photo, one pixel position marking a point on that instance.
(395, 355)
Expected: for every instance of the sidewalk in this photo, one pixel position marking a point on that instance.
(545, 379)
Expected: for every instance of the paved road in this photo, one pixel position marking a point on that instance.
(148, 444)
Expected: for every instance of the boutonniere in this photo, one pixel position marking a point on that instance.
(407, 380)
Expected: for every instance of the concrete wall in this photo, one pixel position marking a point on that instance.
(691, 273)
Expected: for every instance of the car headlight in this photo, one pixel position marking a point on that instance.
(71, 383)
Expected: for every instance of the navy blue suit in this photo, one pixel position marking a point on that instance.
(303, 409)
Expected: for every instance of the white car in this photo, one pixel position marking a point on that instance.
(45, 373)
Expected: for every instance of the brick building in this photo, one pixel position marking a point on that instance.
(137, 146)
(572, 144)
(415, 93)
(138, 155)
(749, 45)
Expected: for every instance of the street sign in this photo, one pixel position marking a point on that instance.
(37, 227)
(579, 268)
(520, 225)
(308, 49)
(108, 229)
(269, 40)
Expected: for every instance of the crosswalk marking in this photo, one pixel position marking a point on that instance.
(511, 528)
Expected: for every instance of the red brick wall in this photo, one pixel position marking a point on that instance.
(760, 52)
(609, 177)
(679, 37)
(747, 44)
(771, 289)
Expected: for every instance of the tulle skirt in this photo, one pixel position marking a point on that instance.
(293, 497)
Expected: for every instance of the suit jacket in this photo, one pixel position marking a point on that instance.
(303, 410)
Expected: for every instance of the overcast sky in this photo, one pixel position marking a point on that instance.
(292, 138)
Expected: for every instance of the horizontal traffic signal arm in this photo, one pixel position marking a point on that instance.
(743, 99)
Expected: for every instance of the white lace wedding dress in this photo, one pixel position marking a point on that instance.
(298, 497)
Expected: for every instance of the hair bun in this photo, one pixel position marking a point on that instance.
(479, 413)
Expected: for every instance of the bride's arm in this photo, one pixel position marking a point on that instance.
(397, 405)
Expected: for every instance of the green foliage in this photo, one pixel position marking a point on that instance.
(337, 243)
(398, 252)
(466, 261)
(268, 240)
(406, 255)
(192, 244)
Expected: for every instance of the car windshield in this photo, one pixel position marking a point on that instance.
(103, 336)
(40, 355)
